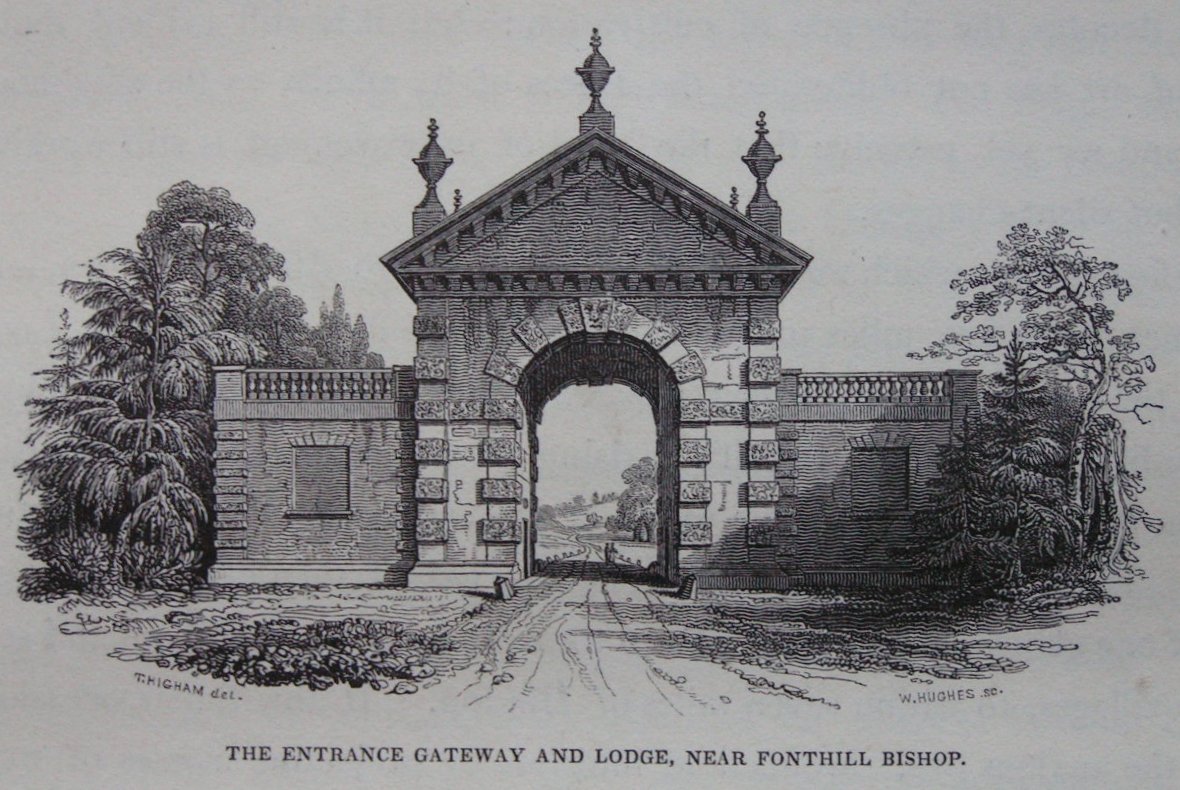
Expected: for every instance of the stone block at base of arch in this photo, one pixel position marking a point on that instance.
(461, 576)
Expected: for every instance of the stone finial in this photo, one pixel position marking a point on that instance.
(761, 159)
(595, 72)
(733, 198)
(432, 163)
(458, 199)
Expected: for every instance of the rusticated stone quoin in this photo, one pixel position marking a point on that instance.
(694, 411)
(760, 532)
(694, 451)
(727, 411)
(430, 449)
(765, 370)
(496, 489)
(502, 409)
(696, 533)
(430, 368)
(431, 530)
(498, 530)
(430, 489)
(762, 491)
(501, 451)
(430, 326)
(762, 451)
(430, 410)
(764, 411)
(465, 409)
(765, 329)
(696, 491)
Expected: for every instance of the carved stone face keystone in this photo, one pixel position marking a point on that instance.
(596, 312)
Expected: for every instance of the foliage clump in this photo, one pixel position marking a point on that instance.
(122, 468)
(1037, 483)
(317, 654)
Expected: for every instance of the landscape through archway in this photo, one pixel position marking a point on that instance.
(600, 359)
(596, 480)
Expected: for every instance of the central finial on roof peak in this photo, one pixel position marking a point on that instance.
(595, 72)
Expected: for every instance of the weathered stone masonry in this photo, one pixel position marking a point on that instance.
(595, 265)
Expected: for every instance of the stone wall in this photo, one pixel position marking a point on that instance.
(757, 472)
(822, 538)
(263, 417)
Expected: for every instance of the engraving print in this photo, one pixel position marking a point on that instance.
(233, 492)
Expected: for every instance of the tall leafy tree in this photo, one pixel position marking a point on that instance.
(122, 468)
(128, 447)
(1064, 296)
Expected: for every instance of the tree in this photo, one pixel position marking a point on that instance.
(122, 468)
(338, 341)
(962, 530)
(211, 235)
(1067, 324)
(636, 511)
(125, 451)
(1025, 441)
(276, 321)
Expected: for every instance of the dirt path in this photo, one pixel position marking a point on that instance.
(592, 637)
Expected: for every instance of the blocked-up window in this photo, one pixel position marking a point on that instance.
(321, 480)
(880, 479)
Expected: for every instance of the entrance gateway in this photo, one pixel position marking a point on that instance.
(595, 265)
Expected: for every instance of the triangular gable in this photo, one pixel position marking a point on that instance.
(596, 173)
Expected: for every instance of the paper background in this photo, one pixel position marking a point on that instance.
(913, 136)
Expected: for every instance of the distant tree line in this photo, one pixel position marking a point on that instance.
(1037, 486)
(121, 469)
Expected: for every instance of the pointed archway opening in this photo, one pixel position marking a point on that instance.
(600, 360)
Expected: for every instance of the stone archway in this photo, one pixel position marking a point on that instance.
(600, 359)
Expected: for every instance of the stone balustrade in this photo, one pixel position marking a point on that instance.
(916, 388)
(320, 385)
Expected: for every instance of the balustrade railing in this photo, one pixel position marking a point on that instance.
(375, 384)
(933, 388)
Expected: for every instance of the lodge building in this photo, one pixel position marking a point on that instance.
(595, 265)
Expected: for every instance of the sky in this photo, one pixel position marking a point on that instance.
(912, 134)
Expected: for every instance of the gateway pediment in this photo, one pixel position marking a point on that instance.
(595, 207)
